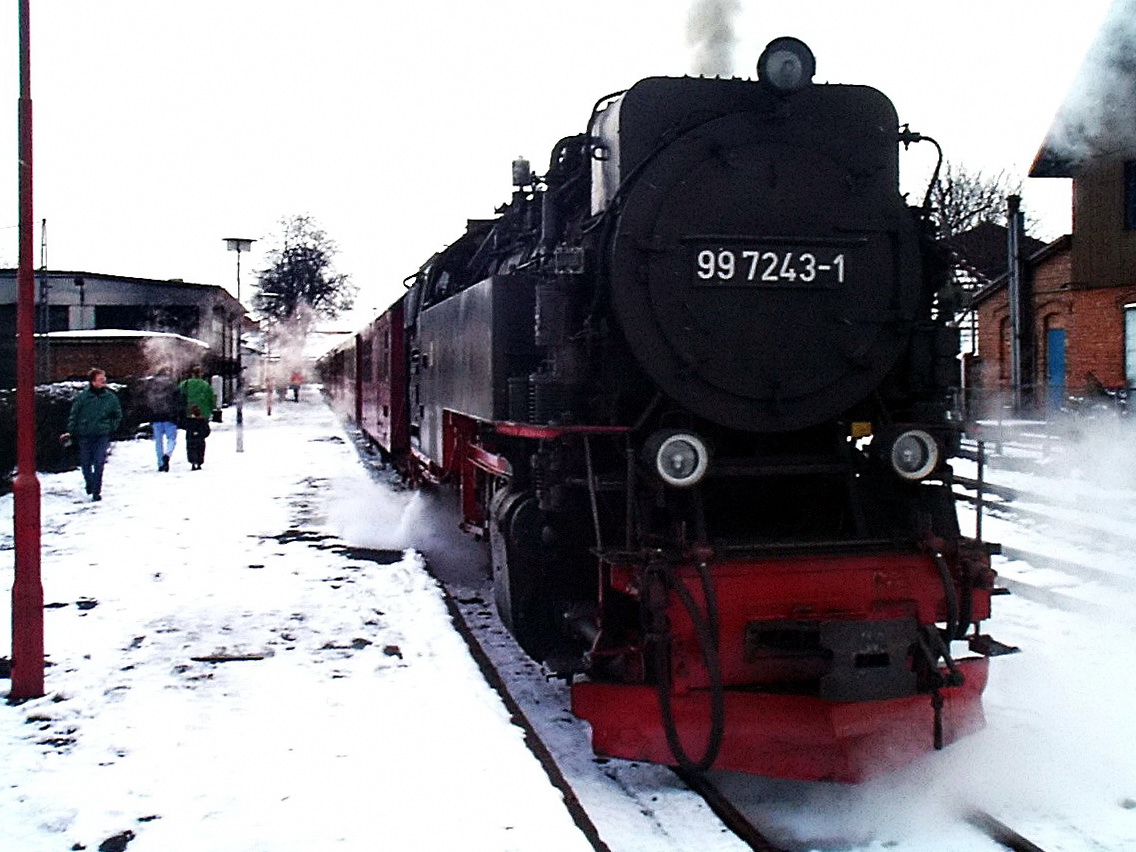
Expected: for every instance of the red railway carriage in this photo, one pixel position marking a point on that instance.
(365, 379)
(336, 372)
(693, 385)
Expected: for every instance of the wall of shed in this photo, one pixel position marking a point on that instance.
(1104, 251)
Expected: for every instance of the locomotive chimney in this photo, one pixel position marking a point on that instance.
(522, 173)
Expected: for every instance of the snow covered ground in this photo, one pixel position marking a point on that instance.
(364, 724)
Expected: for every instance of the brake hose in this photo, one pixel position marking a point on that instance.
(706, 627)
(950, 593)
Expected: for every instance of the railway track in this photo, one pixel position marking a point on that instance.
(758, 839)
(621, 806)
(1046, 510)
(616, 804)
(730, 814)
(1001, 833)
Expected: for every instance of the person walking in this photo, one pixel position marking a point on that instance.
(198, 392)
(196, 431)
(95, 414)
(165, 405)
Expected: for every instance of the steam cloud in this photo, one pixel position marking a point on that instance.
(173, 355)
(285, 341)
(1099, 115)
(710, 33)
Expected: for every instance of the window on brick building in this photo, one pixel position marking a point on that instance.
(1130, 195)
(1130, 345)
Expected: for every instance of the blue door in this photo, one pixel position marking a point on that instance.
(1055, 367)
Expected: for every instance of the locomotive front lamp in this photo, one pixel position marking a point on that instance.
(914, 454)
(678, 458)
(786, 65)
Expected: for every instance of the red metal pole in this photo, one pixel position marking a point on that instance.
(27, 587)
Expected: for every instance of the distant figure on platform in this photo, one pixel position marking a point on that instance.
(165, 405)
(294, 382)
(95, 414)
(218, 395)
(196, 431)
(197, 392)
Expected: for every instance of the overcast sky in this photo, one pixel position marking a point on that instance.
(162, 126)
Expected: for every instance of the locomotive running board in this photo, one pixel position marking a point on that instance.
(785, 736)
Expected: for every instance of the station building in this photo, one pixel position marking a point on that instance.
(129, 326)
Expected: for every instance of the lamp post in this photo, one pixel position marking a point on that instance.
(27, 584)
(268, 323)
(239, 244)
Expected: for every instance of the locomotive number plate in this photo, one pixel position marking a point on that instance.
(815, 266)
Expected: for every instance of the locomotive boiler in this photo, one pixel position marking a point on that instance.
(693, 386)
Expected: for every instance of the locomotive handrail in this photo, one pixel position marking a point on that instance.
(534, 430)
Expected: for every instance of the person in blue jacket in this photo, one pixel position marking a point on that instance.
(95, 414)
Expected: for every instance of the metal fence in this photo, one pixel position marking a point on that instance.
(1044, 404)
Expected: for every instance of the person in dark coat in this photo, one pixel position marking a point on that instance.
(95, 414)
(165, 407)
(196, 431)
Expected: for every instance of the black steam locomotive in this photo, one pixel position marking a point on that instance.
(693, 385)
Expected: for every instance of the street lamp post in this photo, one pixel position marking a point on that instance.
(268, 323)
(27, 584)
(238, 245)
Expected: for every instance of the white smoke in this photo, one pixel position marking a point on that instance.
(171, 354)
(710, 34)
(285, 342)
(1099, 115)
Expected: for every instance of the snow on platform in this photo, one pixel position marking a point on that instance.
(224, 676)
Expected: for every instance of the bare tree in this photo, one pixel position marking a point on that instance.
(301, 280)
(962, 199)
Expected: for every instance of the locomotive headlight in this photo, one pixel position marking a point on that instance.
(786, 65)
(914, 454)
(678, 458)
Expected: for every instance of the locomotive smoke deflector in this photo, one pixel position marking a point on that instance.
(786, 65)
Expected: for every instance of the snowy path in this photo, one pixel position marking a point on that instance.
(365, 725)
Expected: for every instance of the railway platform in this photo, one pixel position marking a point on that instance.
(249, 657)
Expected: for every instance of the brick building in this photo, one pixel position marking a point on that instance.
(1080, 312)
(98, 303)
(124, 355)
(1056, 330)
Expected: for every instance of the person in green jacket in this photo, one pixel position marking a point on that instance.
(197, 392)
(95, 414)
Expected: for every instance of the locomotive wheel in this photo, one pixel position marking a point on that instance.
(520, 569)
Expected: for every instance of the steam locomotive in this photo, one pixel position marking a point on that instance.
(693, 385)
